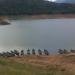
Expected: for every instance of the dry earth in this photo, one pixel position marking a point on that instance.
(63, 62)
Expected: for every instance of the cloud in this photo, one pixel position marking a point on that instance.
(70, 1)
(66, 1)
(60, 1)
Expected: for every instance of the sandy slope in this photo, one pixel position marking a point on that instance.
(63, 62)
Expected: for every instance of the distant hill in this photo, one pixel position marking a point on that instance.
(30, 7)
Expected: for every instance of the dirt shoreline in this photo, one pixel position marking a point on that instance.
(64, 62)
(55, 16)
(43, 16)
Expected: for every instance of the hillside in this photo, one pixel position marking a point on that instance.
(38, 65)
(31, 7)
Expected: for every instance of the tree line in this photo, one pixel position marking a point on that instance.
(65, 51)
(13, 53)
(34, 7)
(22, 53)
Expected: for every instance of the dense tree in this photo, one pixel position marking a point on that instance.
(12, 53)
(65, 51)
(72, 51)
(16, 52)
(28, 52)
(22, 52)
(33, 51)
(30, 7)
(60, 51)
(46, 52)
(39, 52)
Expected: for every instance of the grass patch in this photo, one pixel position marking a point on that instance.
(9, 67)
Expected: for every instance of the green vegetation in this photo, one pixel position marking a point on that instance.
(9, 67)
(33, 7)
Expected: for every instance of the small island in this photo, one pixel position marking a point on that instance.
(4, 22)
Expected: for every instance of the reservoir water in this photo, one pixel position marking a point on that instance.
(50, 34)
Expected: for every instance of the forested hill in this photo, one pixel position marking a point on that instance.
(30, 7)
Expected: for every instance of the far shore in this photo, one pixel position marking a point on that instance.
(53, 16)
(43, 16)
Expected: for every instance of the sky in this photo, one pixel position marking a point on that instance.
(66, 1)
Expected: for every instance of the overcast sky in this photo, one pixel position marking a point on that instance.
(67, 1)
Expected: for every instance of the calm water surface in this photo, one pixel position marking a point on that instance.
(50, 34)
